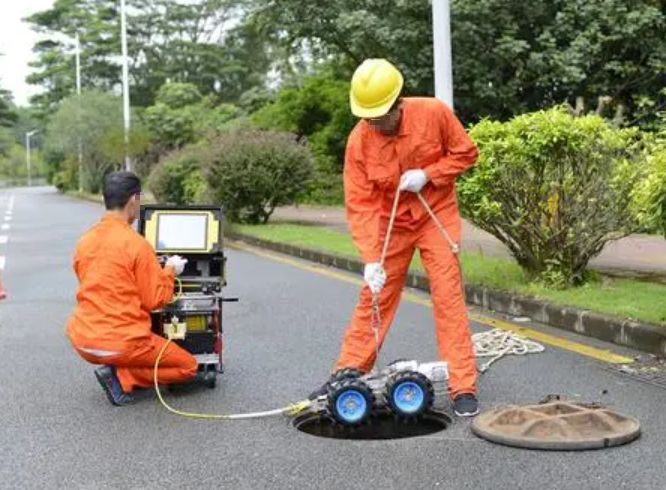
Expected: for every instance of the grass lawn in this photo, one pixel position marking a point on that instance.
(621, 298)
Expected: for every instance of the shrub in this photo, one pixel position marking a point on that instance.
(553, 188)
(171, 180)
(253, 172)
(67, 178)
(649, 195)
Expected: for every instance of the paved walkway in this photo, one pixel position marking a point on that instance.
(638, 255)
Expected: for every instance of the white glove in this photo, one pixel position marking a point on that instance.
(375, 277)
(413, 180)
(177, 263)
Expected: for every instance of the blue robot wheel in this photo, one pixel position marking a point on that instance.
(408, 397)
(350, 401)
(409, 394)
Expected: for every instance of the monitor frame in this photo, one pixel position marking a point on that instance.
(147, 226)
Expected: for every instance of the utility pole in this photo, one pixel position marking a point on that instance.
(78, 94)
(126, 100)
(441, 28)
(27, 148)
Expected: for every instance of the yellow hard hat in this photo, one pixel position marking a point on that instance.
(375, 86)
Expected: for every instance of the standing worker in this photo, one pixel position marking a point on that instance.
(120, 283)
(418, 145)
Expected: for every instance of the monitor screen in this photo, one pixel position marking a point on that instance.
(184, 231)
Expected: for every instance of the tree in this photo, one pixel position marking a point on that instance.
(317, 112)
(508, 59)
(181, 115)
(168, 41)
(96, 22)
(7, 115)
(8, 118)
(97, 117)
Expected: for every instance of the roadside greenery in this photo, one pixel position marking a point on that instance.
(554, 188)
(622, 298)
(249, 171)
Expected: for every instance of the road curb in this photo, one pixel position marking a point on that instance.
(627, 333)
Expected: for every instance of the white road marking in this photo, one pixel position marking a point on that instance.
(2, 263)
(3, 239)
(8, 218)
(6, 226)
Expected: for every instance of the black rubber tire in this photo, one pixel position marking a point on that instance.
(338, 388)
(211, 378)
(345, 373)
(414, 377)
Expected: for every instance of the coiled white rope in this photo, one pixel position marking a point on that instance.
(498, 343)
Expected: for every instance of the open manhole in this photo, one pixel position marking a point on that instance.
(558, 425)
(382, 426)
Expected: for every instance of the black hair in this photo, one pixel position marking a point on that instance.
(119, 188)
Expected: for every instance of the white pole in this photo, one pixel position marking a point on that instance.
(78, 64)
(126, 100)
(441, 23)
(27, 149)
(78, 94)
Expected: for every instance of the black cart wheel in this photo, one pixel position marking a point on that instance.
(211, 377)
(409, 394)
(350, 402)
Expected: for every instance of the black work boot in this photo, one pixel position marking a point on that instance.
(466, 405)
(110, 383)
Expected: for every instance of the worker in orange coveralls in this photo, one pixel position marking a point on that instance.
(419, 145)
(120, 283)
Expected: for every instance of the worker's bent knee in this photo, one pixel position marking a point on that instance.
(191, 369)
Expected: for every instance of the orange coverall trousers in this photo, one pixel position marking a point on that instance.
(451, 322)
(136, 364)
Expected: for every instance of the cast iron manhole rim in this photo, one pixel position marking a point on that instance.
(381, 426)
(556, 426)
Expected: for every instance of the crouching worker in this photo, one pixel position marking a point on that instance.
(120, 283)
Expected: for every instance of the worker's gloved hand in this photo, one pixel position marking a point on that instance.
(177, 263)
(375, 277)
(413, 180)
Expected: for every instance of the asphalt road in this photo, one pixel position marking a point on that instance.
(57, 429)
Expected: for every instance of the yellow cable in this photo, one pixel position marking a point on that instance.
(179, 295)
(292, 409)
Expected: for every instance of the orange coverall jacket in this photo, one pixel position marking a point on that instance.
(430, 138)
(121, 282)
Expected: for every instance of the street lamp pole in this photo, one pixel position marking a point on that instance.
(78, 94)
(441, 23)
(126, 100)
(27, 147)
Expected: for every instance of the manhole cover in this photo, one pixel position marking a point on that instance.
(556, 426)
(382, 426)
